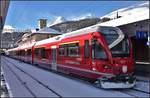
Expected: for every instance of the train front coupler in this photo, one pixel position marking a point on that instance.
(117, 82)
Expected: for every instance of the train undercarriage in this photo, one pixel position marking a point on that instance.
(117, 82)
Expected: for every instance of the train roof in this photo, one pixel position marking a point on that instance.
(22, 47)
(27, 46)
(86, 30)
(13, 49)
(49, 40)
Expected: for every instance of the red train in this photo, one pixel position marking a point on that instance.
(100, 53)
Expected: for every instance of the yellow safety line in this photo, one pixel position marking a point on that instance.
(69, 42)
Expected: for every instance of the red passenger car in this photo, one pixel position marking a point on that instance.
(101, 53)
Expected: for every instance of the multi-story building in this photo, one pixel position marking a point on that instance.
(30, 38)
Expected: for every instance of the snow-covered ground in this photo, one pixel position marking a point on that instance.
(57, 20)
(63, 86)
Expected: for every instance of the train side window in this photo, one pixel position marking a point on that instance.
(73, 50)
(29, 52)
(66, 50)
(62, 50)
(36, 51)
(43, 52)
(86, 49)
(97, 51)
(16, 53)
(23, 52)
(20, 52)
(40, 52)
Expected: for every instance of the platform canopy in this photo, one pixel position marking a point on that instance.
(3, 12)
(128, 15)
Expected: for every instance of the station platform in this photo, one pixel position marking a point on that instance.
(142, 69)
(25, 80)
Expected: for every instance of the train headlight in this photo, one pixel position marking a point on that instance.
(107, 67)
(124, 69)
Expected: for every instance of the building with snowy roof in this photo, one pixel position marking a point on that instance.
(32, 37)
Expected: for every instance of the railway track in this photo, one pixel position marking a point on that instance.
(25, 84)
(22, 82)
(140, 91)
(125, 91)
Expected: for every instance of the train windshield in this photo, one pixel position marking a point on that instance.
(110, 35)
(122, 48)
(97, 50)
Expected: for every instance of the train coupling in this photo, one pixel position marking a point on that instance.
(117, 82)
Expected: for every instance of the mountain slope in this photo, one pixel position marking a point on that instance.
(69, 26)
(58, 20)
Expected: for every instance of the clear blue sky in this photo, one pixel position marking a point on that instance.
(24, 14)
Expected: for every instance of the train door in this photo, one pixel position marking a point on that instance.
(99, 56)
(87, 59)
(54, 54)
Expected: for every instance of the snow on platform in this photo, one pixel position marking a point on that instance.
(63, 86)
(13, 85)
(17, 88)
(143, 84)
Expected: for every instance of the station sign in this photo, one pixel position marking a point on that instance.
(141, 34)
